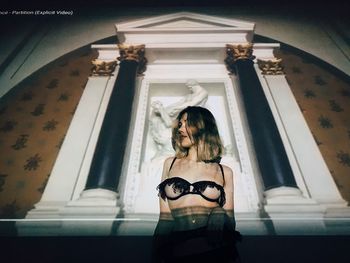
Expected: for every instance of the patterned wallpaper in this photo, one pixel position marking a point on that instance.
(323, 96)
(35, 117)
(33, 121)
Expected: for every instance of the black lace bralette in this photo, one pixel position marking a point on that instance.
(175, 187)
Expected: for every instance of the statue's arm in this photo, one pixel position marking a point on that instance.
(165, 116)
(199, 98)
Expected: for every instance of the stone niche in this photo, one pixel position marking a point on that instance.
(145, 161)
(157, 137)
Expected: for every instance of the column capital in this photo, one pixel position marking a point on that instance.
(271, 66)
(103, 67)
(135, 53)
(238, 52)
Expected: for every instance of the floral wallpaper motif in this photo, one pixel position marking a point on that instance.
(324, 98)
(33, 121)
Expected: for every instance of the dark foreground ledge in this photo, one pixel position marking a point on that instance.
(270, 249)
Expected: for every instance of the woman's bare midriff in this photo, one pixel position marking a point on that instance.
(187, 218)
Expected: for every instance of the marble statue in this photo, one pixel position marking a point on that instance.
(162, 118)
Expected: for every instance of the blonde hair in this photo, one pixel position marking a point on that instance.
(202, 129)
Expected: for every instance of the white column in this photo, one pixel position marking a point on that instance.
(314, 171)
(62, 196)
(64, 175)
(305, 214)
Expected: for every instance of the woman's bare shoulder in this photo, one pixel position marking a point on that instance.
(227, 170)
(228, 175)
(169, 159)
(168, 162)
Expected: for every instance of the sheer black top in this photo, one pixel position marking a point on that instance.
(175, 187)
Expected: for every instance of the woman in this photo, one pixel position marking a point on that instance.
(196, 222)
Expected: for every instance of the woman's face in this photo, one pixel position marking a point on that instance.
(185, 138)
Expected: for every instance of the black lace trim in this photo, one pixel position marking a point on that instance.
(182, 186)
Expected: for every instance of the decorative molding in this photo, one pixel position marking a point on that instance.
(103, 68)
(239, 136)
(238, 52)
(186, 30)
(133, 173)
(136, 53)
(195, 20)
(271, 66)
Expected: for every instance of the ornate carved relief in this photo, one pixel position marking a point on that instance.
(133, 176)
(137, 53)
(240, 138)
(237, 52)
(103, 68)
(271, 66)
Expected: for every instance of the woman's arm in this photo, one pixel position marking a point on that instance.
(165, 213)
(229, 191)
(165, 223)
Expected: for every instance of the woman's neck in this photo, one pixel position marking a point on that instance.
(192, 154)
